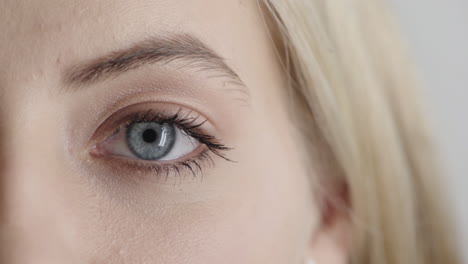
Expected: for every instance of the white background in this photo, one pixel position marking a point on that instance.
(437, 35)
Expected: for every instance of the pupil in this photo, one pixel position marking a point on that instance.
(149, 136)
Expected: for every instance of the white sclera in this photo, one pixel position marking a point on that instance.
(183, 145)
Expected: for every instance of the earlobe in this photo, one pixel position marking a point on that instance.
(330, 242)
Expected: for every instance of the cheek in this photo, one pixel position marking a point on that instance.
(258, 211)
(261, 226)
(280, 199)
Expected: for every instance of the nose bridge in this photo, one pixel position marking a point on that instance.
(32, 229)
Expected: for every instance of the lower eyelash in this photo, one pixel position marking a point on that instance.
(193, 166)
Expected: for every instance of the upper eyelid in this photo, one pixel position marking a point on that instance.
(144, 110)
(179, 118)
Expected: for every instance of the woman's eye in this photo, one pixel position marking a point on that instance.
(150, 141)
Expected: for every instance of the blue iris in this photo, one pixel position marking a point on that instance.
(150, 140)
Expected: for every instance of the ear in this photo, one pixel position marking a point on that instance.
(330, 243)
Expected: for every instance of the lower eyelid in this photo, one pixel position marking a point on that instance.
(131, 170)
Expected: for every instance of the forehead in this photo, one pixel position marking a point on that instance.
(31, 17)
(40, 34)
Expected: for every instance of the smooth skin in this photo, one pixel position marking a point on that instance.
(61, 204)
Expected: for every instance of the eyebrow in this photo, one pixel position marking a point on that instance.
(182, 47)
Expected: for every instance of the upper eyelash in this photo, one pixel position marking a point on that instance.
(190, 125)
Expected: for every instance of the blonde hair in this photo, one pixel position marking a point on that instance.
(358, 108)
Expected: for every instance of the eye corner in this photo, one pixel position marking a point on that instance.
(97, 151)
